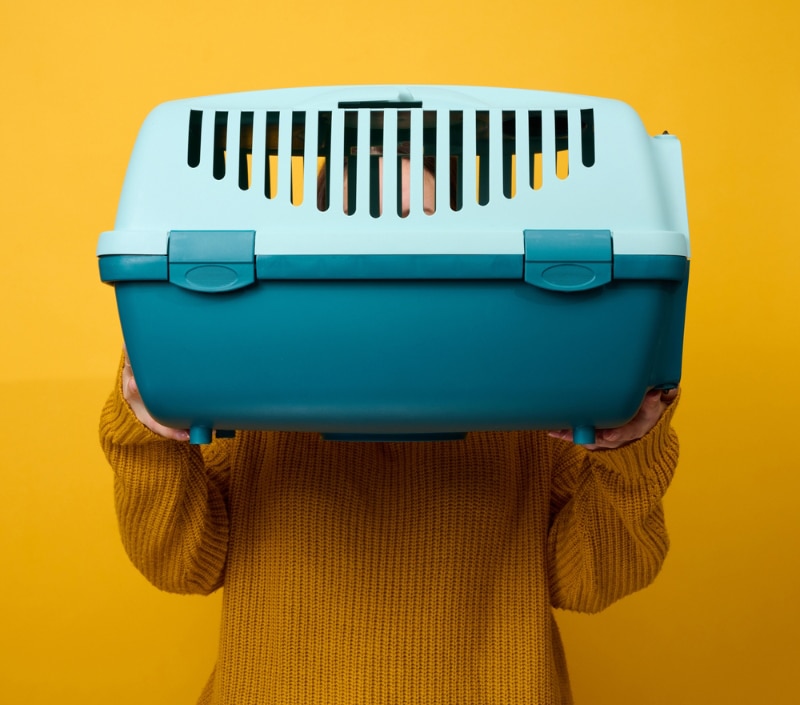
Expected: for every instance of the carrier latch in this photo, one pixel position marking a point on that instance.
(568, 260)
(212, 260)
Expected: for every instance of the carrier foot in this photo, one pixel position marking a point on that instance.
(199, 435)
(584, 435)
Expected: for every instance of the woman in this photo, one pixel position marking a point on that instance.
(385, 573)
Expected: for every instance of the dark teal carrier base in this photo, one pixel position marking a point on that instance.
(414, 360)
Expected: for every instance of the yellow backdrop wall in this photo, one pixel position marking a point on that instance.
(719, 626)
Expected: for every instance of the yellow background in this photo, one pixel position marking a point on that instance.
(721, 624)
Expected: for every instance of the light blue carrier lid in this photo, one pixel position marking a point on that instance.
(506, 161)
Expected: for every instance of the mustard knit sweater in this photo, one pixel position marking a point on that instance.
(390, 573)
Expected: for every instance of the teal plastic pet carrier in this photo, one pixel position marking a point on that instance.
(374, 262)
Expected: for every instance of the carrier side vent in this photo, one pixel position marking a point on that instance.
(195, 131)
(482, 155)
(220, 143)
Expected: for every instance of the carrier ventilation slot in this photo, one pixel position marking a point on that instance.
(380, 159)
(220, 143)
(195, 132)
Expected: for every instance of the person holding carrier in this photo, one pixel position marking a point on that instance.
(391, 572)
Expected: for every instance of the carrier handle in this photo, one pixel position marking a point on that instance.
(404, 99)
(378, 104)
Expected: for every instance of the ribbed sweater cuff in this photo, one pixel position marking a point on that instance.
(119, 425)
(658, 448)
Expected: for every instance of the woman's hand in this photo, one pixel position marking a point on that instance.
(654, 404)
(130, 390)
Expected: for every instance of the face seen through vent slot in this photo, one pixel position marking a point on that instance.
(428, 188)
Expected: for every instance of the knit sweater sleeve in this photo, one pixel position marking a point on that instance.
(171, 502)
(607, 536)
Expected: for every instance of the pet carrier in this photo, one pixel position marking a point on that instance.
(378, 262)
